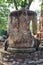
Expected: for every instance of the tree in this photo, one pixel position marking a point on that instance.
(4, 9)
(22, 3)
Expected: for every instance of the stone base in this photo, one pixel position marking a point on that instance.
(22, 50)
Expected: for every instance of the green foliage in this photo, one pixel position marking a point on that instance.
(42, 6)
(22, 3)
(3, 32)
(3, 14)
(4, 10)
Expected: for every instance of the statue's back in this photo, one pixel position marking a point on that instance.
(19, 30)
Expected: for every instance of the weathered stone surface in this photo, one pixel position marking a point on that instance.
(19, 30)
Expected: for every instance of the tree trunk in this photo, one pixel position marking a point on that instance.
(29, 4)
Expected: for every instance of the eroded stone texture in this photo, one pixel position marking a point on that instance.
(19, 30)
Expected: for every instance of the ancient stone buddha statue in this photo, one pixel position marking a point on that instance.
(19, 30)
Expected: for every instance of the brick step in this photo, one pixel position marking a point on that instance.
(40, 48)
(36, 62)
(3, 63)
(41, 39)
(3, 51)
(30, 62)
(41, 42)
